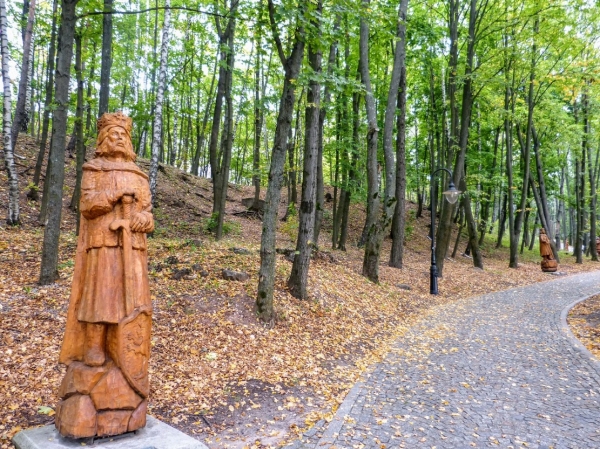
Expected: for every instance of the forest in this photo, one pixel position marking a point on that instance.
(318, 101)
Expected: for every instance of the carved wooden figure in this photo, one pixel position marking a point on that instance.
(107, 339)
(549, 264)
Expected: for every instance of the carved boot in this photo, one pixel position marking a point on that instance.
(95, 336)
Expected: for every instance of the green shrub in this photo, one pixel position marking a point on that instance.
(290, 227)
(229, 227)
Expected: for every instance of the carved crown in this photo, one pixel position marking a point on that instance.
(115, 119)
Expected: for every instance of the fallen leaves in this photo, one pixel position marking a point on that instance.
(584, 320)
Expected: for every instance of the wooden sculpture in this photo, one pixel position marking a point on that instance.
(549, 264)
(106, 346)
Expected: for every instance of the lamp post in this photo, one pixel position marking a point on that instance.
(451, 196)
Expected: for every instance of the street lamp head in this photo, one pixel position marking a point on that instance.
(451, 194)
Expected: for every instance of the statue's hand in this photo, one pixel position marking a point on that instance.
(140, 223)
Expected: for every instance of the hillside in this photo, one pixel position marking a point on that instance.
(216, 372)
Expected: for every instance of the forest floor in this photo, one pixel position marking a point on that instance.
(584, 320)
(218, 373)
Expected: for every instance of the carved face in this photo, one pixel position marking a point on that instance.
(117, 140)
(114, 143)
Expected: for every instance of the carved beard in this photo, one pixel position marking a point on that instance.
(117, 150)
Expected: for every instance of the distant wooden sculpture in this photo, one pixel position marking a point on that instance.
(597, 245)
(107, 339)
(549, 264)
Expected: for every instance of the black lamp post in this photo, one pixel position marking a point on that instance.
(451, 196)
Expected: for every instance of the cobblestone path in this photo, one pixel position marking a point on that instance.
(499, 370)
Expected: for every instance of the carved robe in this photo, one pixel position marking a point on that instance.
(545, 249)
(97, 294)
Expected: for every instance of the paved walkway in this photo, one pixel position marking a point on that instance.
(500, 370)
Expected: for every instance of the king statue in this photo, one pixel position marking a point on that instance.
(106, 346)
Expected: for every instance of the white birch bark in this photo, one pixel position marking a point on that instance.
(157, 125)
(12, 217)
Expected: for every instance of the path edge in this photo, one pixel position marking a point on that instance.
(566, 330)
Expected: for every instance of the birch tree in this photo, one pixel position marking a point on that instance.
(160, 92)
(12, 216)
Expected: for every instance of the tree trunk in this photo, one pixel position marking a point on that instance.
(225, 71)
(502, 221)
(258, 117)
(471, 227)
(90, 81)
(485, 213)
(157, 125)
(12, 215)
(322, 115)
(341, 154)
(580, 197)
(525, 238)
(173, 146)
(227, 135)
(533, 231)
(352, 171)
(78, 131)
(292, 180)
(21, 114)
(399, 221)
(592, 180)
(320, 196)
(56, 165)
(33, 190)
(372, 228)
(106, 61)
(561, 220)
(445, 228)
(516, 230)
(29, 113)
(461, 224)
(291, 66)
(202, 130)
(297, 283)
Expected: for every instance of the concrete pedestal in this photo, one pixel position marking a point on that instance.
(156, 435)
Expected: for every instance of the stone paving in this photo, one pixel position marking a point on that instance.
(500, 370)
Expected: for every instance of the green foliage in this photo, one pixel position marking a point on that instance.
(229, 227)
(66, 264)
(290, 227)
(32, 187)
(409, 226)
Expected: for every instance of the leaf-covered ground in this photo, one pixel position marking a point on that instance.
(216, 372)
(584, 320)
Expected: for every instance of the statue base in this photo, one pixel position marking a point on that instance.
(156, 435)
(549, 265)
